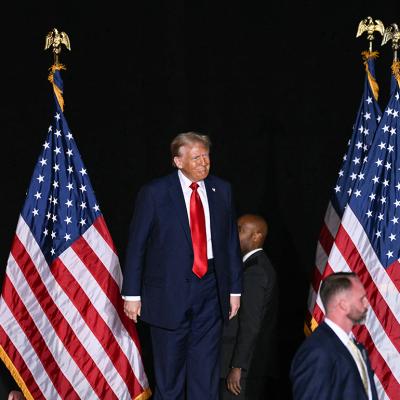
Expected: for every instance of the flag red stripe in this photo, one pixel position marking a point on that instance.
(58, 322)
(100, 225)
(106, 282)
(21, 314)
(95, 323)
(327, 271)
(20, 365)
(318, 314)
(394, 273)
(326, 239)
(316, 279)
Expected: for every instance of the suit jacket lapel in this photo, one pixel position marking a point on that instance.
(211, 198)
(340, 347)
(252, 260)
(176, 194)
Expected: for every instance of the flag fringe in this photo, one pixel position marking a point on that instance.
(57, 91)
(310, 326)
(396, 71)
(372, 81)
(144, 395)
(15, 374)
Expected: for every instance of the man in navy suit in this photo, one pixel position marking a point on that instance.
(183, 270)
(329, 364)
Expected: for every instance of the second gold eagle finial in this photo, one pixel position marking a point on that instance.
(392, 33)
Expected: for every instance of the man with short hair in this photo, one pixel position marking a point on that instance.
(330, 364)
(249, 343)
(183, 272)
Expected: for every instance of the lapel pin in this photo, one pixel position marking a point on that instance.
(213, 189)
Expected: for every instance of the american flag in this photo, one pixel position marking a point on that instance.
(367, 119)
(63, 333)
(368, 243)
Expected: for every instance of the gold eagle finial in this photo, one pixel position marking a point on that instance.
(392, 33)
(370, 26)
(56, 39)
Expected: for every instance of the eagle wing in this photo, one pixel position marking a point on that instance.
(387, 35)
(49, 40)
(65, 40)
(362, 27)
(379, 27)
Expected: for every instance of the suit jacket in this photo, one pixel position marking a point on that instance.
(250, 339)
(159, 257)
(323, 369)
(7, 383)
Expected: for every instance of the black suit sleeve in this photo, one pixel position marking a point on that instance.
(7, 382)
(255, 300)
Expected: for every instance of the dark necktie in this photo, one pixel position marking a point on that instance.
(198, 231)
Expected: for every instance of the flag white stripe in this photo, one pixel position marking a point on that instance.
(320, 258)
(312, 296)
(105, 254)
(332, 220)
(28, 354)
(55, 346)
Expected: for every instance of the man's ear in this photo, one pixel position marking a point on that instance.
(343, 304)
(256, 237)
(178, 162)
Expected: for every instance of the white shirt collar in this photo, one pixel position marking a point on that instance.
(250, 253)
(340, 333)
(186, 182)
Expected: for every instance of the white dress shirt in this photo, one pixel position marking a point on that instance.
(201, 190)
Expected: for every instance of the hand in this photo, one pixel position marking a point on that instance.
(235, 304)
(132, 309)
(15, 395)
(233, 381)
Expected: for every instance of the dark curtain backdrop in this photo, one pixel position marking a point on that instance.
(276, 85)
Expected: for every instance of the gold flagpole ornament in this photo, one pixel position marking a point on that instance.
(370, 26)
(56, 39)
(392, 33)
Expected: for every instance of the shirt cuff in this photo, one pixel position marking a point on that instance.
(236, 294)
(131, 298)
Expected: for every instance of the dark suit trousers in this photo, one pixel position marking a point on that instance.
(188, 357)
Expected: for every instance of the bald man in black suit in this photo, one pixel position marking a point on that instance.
(249, 344)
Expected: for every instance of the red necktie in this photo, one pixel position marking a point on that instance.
(198, 231)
